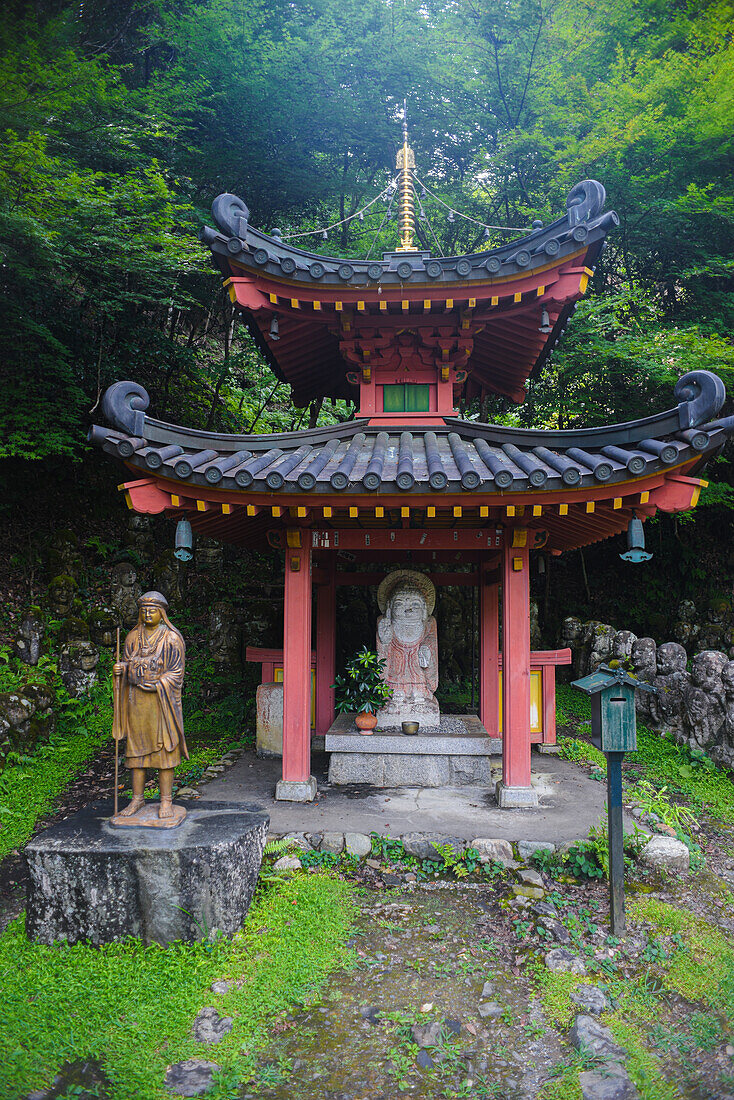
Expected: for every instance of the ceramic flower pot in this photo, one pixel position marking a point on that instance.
(365, 722)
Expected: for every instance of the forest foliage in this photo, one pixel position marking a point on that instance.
(121, 122)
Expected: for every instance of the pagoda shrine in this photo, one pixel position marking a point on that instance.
(407, 481)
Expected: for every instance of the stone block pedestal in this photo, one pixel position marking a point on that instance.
(431, 759)
(92, 882)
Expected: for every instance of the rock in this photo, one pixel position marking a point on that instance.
(427, 1035)
(487, 990)
(374, 864)
(187, 792)
(77, 666)
(590, 998)
(545, 909)
(427, 845)
(29, 641)
(530, 878)
(298, 840)
(333, 842)
(499, 851)
(210, 1027)
(357, 844)
(222, 987)
(490, 1010)
(528, 891)
(557, 930)
(193, 1077)
(424, 1060)
(562, 960)
(526, 849)
(608, 1082)
(287, 863)
(89, 881)
(392, 880)
(452, 1025)
(665, 853)
(588, 1035)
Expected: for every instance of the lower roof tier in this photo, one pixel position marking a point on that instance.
(458, 456)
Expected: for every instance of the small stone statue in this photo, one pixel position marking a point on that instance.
(572, 630)
(727, 680)
(225, 637)
(62, 593)
(126, 592)
(148, 682)
(407, 642)
(622, 643)
(686, 628)
(78, 660)
(29, 642)
(597, 645)
(644, 663)
(704, 715)
(672, 681)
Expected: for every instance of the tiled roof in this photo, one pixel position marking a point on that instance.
(457, 456)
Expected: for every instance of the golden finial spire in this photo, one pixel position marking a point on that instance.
(406, 163)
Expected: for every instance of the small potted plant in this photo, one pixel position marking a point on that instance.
(362, 690)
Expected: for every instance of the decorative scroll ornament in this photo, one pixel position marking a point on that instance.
(701, 394)
(124, 405)
(231, 215)
(585, 201)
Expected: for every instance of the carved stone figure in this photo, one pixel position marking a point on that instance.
(622, 642)
(167, 576)
(672, 682)
(225, 636)
(61, 555)
(714, 633)
(644, 663)
(61, 596)
(103, 623)
(148, 683)
(126, 592)
(727, 680)
(26, 718)
(534, 625)
(140, 535)
(572, 630)
(704, 716)
(597, 645)
(78, 658)
(29, 642)
(407, 641)
(686, 628)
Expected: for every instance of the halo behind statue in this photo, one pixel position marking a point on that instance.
(406, 576)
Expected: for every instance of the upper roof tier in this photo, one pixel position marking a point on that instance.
(493, 316)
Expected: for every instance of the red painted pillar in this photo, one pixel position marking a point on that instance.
(297, 784)
(515, 789)
(326, 648)
(489, 651)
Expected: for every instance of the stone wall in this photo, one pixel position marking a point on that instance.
(695, 697)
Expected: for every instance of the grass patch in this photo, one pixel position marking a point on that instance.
(704, 970)
(642, 1066)
(554, 989)
(583, 752)
(132, 1007)
(29, 784)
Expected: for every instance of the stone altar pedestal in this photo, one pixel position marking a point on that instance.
(92, 882)
(456, 756)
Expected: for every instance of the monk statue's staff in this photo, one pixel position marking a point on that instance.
(116, 724)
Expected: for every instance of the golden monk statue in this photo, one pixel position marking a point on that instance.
(148, 682)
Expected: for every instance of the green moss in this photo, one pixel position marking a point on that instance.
(132, 1007)
(554, 989)
(704, 970)
(642, 1066)
(573, 748)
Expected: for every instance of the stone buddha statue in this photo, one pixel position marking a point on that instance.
(408, 643)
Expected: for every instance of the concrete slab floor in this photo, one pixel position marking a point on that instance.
(570, 803)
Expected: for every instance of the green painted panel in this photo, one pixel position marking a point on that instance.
(393, 398)
(416, 398)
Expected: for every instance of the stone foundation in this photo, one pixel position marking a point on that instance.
(389, 759)
(92, 882)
